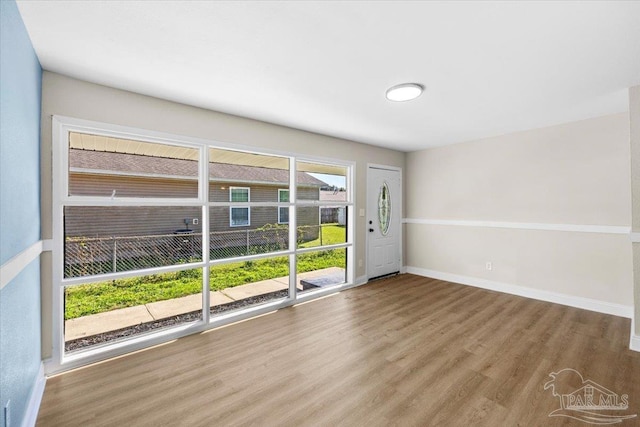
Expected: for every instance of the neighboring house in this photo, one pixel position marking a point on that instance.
(101, 173)
(333, 214)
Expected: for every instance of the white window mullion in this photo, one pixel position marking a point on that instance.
(351, 221)
(128, 201)
(203, 185)
(96, 278)
(293, 230)
(248, 204)
(323, 248)
(242, 258)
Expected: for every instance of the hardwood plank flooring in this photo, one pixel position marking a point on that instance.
(404, 351)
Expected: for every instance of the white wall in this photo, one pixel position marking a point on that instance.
(66, 96)
(570, 177)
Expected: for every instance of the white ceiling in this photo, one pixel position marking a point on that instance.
(489, 67)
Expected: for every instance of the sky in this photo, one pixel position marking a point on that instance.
(337, 180)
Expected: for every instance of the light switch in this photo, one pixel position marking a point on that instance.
(361, 212)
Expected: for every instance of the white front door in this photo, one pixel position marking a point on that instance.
(384, 209)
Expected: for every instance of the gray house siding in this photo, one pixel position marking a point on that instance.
(85, 184)
(139, 221)
(117, 221)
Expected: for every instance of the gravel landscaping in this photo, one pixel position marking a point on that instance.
(107, 337)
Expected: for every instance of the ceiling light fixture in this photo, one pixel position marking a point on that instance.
(404, 92)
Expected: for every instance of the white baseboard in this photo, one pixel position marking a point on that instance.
(634, 343)
(549, 296)
(33, 406)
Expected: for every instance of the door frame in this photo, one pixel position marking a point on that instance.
(401, 222)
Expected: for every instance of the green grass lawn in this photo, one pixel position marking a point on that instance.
(95, 298)
(331, 235)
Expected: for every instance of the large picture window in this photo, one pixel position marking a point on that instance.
(158, 236)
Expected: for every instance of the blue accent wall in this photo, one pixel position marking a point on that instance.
(21, 81)
(20, 340)
(20, 97)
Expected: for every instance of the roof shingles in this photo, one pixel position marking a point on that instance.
(132, 164)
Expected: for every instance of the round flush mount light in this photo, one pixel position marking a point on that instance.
(404, 92)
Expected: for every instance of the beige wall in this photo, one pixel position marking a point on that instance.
(634, 137)
(575, 173)
(74, 98)
(634, 128)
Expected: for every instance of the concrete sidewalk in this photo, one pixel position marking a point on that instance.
(122, 318)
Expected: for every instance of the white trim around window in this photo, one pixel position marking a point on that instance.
(62, 126)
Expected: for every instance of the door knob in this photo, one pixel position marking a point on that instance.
(371, 230)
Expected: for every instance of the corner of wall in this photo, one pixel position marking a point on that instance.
(528, 292)
(634, 146)
(634, 344)
(33, 405)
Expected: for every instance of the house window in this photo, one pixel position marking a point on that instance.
(239, 194)
(283, 211)
(239, 216)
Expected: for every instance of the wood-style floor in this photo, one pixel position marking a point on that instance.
(402, 351)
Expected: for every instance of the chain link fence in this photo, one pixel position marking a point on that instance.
(89, 256)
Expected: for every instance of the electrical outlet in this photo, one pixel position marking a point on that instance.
(7, 413)
(489, 266)
(195, 221)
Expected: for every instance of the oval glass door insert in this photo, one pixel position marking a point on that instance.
(384, 208)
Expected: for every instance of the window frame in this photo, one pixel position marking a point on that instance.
(61, 361)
